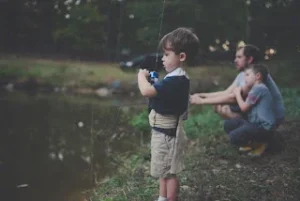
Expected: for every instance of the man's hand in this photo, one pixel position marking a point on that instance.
(202, 95)
(195, 99)
(143, 72)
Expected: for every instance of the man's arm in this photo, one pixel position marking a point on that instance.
(225, 98)
(220, 99)
(218, 93)
(145, 87)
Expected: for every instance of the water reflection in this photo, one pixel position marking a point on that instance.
(52, 147)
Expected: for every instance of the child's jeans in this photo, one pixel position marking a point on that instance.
(241, 132)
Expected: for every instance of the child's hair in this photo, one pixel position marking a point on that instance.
(181, 40)
(261, 69)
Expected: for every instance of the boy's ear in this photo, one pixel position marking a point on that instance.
(182, 56)
(258, 76)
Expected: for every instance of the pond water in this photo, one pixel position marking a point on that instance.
(53, 147)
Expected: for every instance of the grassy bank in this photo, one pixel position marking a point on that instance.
(75, 74)
(214, 169)
(67, 73)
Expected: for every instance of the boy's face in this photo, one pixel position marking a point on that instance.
(250, 77)
(171, 60)
(241, 61)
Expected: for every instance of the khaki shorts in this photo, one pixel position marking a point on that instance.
(167, 153)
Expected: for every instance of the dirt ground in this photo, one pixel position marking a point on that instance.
(217, 171)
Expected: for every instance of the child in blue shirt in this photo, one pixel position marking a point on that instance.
(169, 102)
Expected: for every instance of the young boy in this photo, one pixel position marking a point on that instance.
(169, 102)
(254, 133)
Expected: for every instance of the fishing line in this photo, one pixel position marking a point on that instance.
(159, 31)
(92, 172)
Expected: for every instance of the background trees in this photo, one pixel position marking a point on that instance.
(110, 29)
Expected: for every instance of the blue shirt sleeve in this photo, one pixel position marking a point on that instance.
(255, 94)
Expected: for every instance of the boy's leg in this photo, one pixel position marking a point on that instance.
(162, 188)
(239, 131)
(232, 124)
(172, 188)
(248, 132)
(159, 150)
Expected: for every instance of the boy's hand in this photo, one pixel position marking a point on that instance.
(143, 72)
(237, 91)
(245, 90)
(195, 99)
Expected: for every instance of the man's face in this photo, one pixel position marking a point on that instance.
(241, 61)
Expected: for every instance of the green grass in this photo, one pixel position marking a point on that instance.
(292, 101)
(131, 182)
(83, 74)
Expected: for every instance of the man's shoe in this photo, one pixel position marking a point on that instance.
(258, 150)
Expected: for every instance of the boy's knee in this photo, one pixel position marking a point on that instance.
(218, 108)
(225, 110)
(228, 114)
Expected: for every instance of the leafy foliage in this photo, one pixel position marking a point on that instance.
(83, 29)
(112, 26)
(203, 122)
(140, 122)
(292, 102)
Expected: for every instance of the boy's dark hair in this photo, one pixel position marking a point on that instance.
(261, 69)
(251, 51)
(181, 40)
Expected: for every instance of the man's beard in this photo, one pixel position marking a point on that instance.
(241, 69)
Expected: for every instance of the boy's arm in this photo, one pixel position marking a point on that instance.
(145, 87)
(243, 104)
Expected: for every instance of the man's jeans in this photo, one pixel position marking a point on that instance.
(241, 132)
